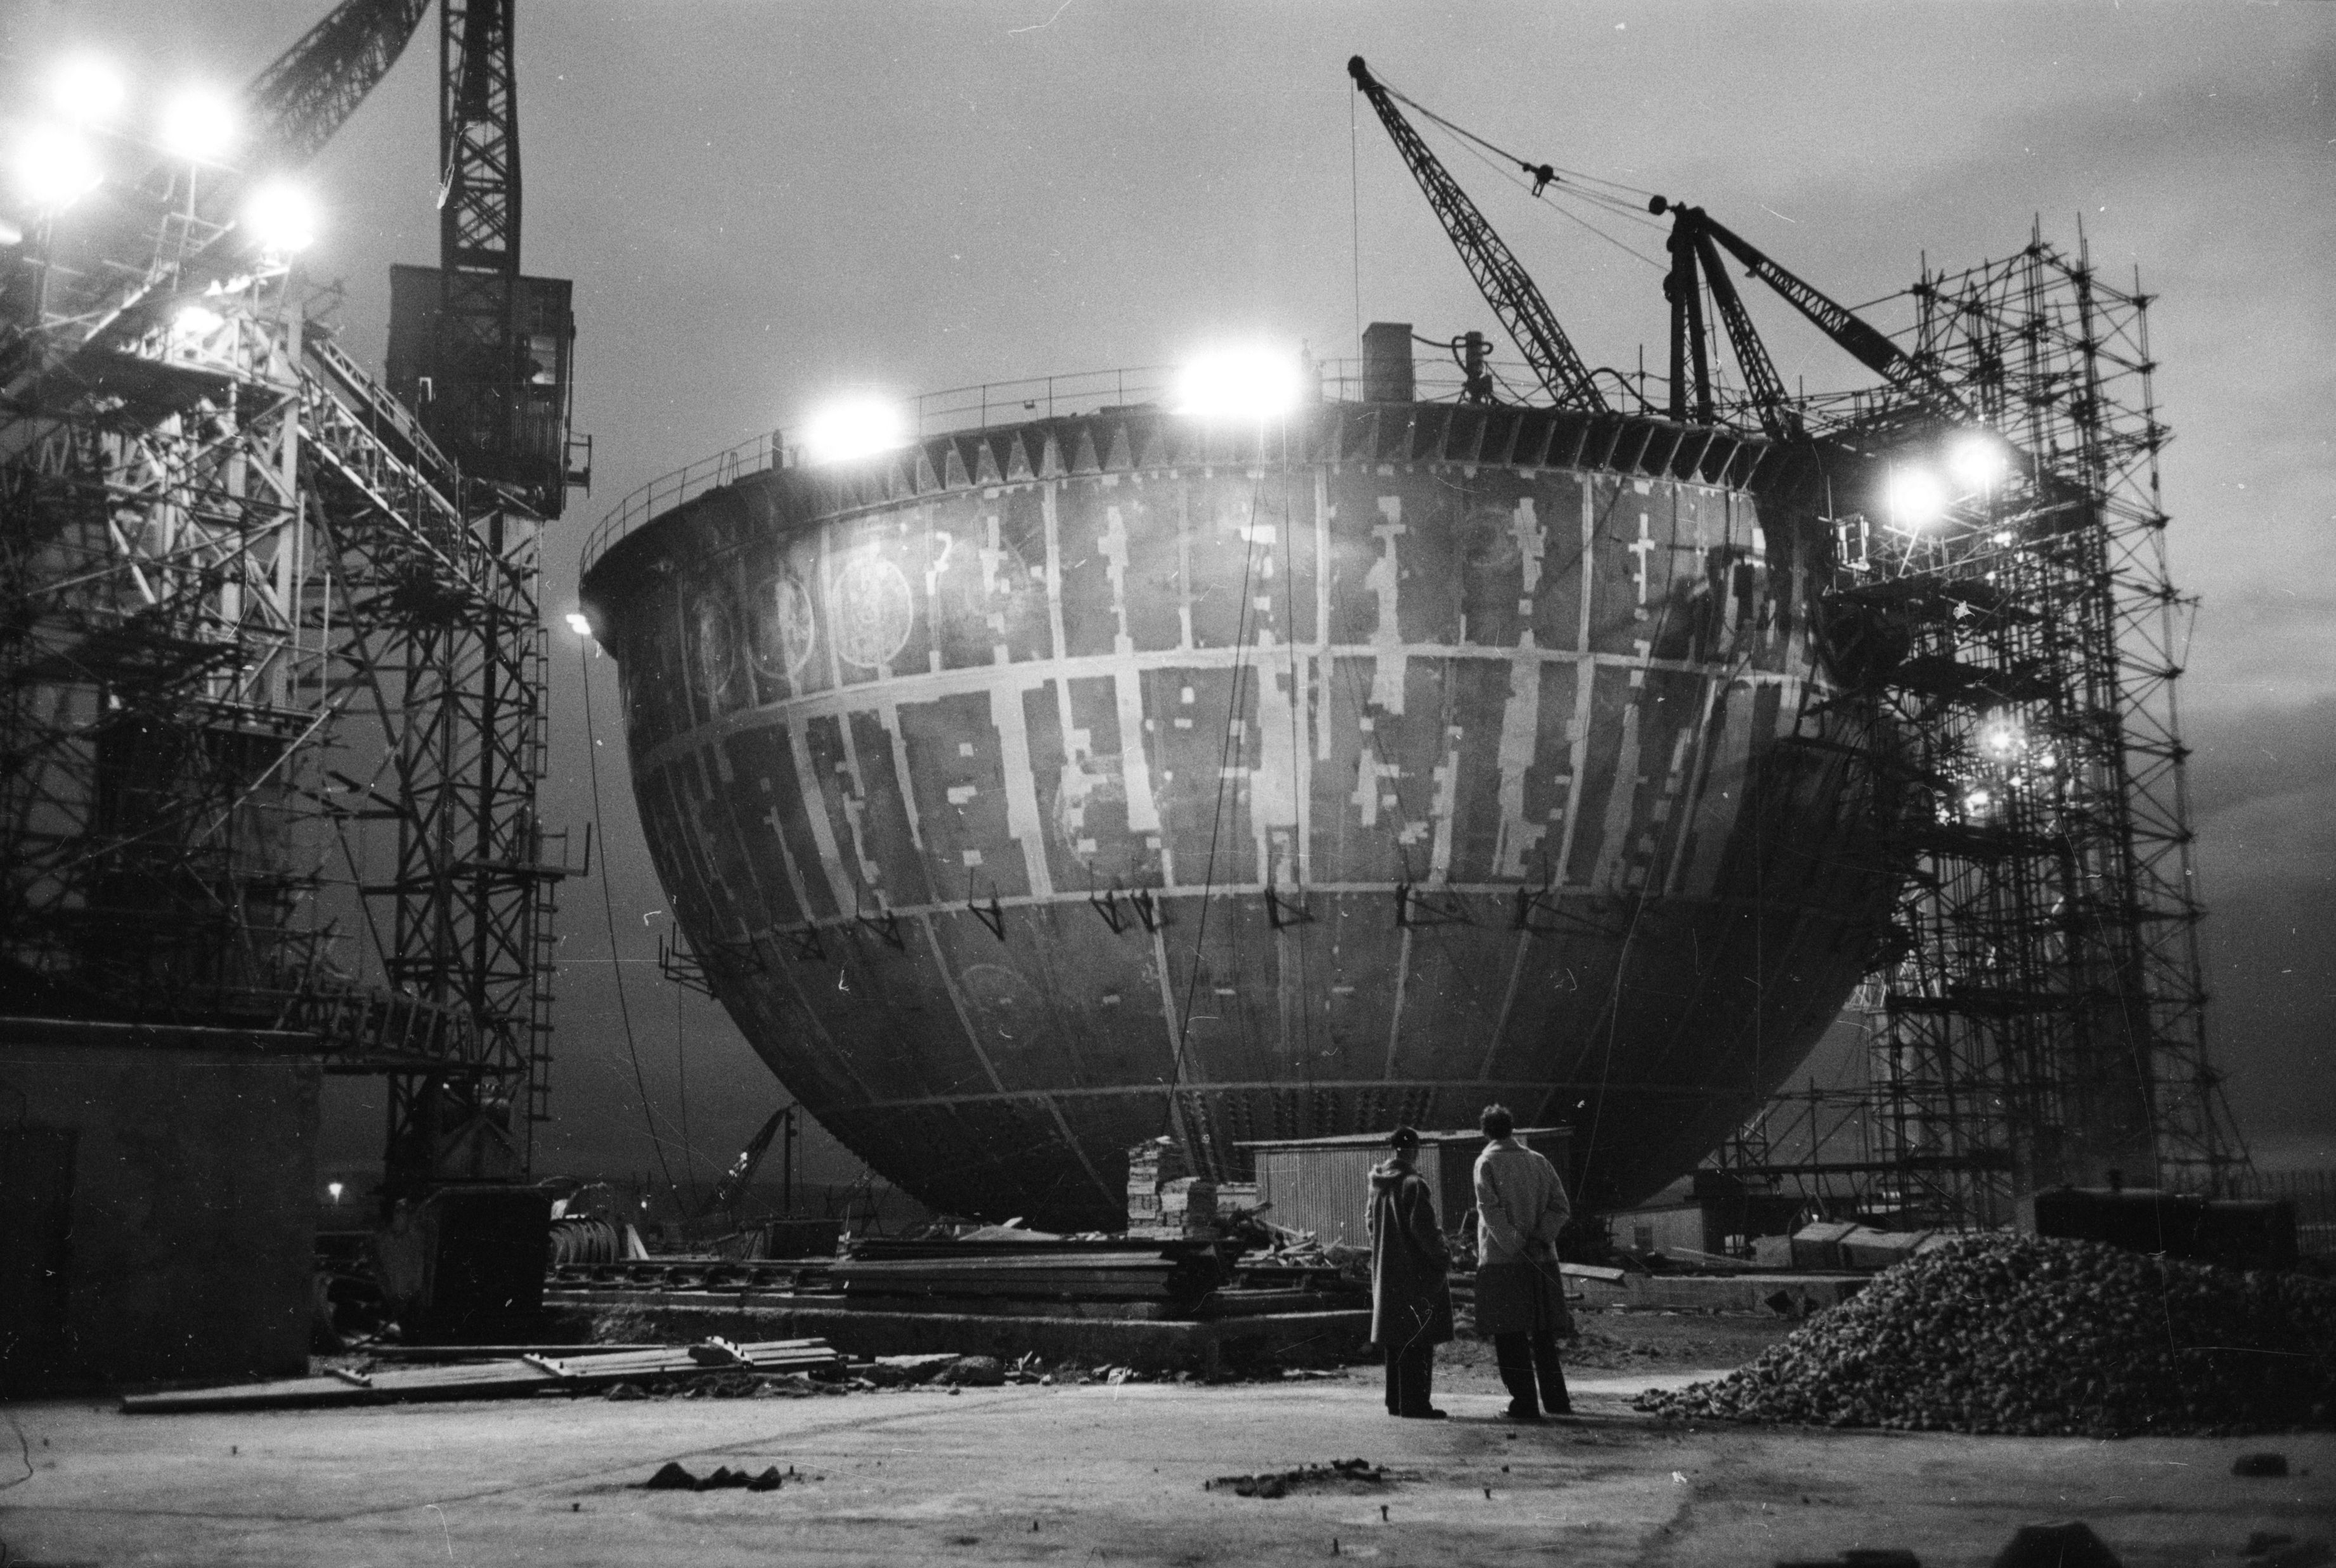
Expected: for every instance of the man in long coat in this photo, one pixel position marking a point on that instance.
(1411, 1306)
(1521, 1206)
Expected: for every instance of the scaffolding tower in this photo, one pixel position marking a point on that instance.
(2015, 644)
(271, 676)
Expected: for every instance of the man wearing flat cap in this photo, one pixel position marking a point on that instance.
(1411, 1308)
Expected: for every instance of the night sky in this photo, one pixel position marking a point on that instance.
(762, 204)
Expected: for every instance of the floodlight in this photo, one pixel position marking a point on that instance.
(55, 168)
(1977, 800)
(198, 126)
(580, 623)
(2001, 738)
(334, 1189)
(1915, 498)
(854, 427)
(1239, 384)
(197, 321)
(1978, 460)
(86, 89)
(281, 217)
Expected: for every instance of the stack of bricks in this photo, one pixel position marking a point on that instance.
(1165, 1199)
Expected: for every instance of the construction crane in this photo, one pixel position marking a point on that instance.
(90, 298)
(308, 91)
(1695, 265)
(1694, 255)
(477, 348)
(1507, 287)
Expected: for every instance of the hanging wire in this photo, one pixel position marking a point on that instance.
(1300, 817)
(1503, 152)
(1551, 180)
(1354, 200)
(681, 1092)
(1224, 763)
(608, 918)
(1635, 216)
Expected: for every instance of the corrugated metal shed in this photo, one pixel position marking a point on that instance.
(1324, 1184)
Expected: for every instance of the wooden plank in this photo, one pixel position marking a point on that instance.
(474, 1380)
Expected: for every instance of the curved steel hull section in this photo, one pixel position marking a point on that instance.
(1032, 793)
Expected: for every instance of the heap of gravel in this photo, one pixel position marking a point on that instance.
(2013, 1334)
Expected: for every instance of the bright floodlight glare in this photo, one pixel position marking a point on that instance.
(1977, 460)
(580, 623)
(1916, 499)
(55, 168)
(281, 217)
(333, 1188)
(1237, 384)
(86, 88)
(198, 126)
(854, 427)
(198, 320)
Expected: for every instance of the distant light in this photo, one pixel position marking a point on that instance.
(333, 1188)
(1978, 460)
(580, 623)
(1977, 800)
(55, 168)
(1239, 384)
(198, 126)
(1915, 498)
(854, 427)
(2001, 738)
(281, 217)
(86, 89)
(198, 320)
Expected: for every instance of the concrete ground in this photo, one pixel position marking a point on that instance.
(1079, 1474)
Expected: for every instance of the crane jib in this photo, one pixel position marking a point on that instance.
(1503, 280)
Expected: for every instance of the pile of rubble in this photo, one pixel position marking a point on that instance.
(1339, 1476)
(2013, 1334)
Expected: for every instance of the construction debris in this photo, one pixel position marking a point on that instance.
(973, 1372)
(1339, 1475)
(674, 1477)
(2000, 1333)
(576, 1370)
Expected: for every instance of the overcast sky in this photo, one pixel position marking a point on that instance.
(762, 203)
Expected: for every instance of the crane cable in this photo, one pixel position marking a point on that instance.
(1547, 177)
(1233, 724)
(609, 917)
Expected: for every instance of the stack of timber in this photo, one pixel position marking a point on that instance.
(693, 1273)
(1173, 1277)
(575, 1368)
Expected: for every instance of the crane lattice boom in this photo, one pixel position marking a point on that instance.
(311, 89)
(1867, 345)
(1507, 287)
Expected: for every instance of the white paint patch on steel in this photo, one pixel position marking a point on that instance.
(1385, 579)
(840, 885)
(1023, 823)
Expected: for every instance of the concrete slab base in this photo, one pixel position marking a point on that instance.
(1075, 1475)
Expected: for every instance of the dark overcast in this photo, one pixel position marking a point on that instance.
(762, 203)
